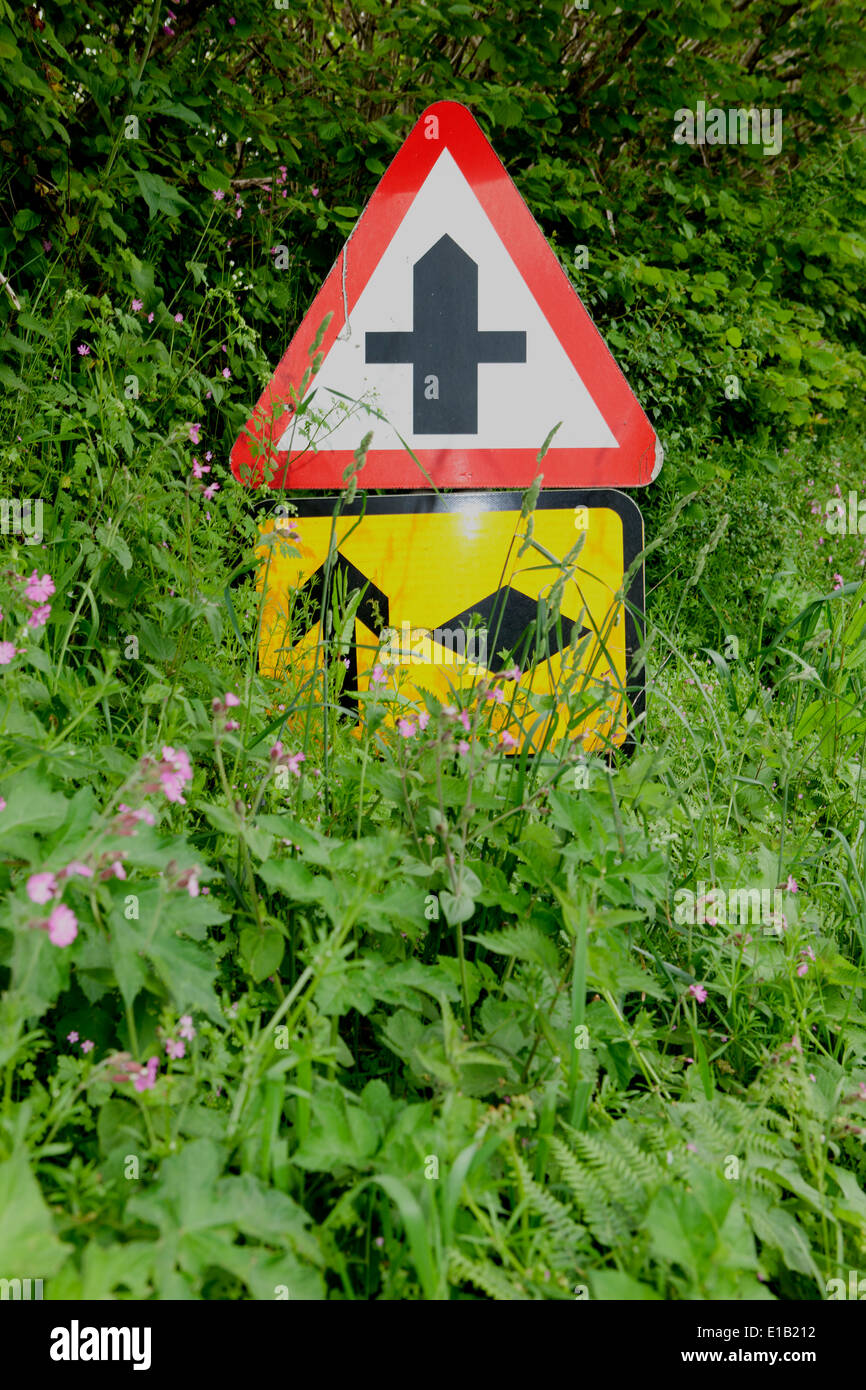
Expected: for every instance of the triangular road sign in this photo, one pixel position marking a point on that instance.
(453, 331)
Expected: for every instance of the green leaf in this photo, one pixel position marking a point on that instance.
(614, 1286)
(341, 1133)
(29, 1248)
(523, 942)
(31, 807)
(159, 195)
(262, 951)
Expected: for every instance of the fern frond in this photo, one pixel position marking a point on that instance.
(487, 1277)
(558, 1218)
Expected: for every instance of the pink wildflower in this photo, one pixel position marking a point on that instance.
(175, 1049)
(7, 652)
(698, 992)
(41, 888)
(88, 1045)
(62, 926)
(76, 867)
(136, 305)
(39, 616)
(127, 821)
(146, 1078)
(115, 870)
(174, 773)
(72, 1037)
(194, 431)
(189, 881)
(186, 1029)
(407, 729)
(38, 590)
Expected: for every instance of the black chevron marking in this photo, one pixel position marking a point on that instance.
(373, 599)
(373, 603)
(509, 616)
(511, 624)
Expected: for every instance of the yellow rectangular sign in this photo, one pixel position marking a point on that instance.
(448, 601)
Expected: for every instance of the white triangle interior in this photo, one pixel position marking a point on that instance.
(518, 403)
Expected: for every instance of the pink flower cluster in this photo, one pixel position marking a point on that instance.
(806, 956)
(37, 590)
(190, 881)
(292, 761)
(176, 1047)
(143, 1077)
(221, 708)
(173, 772)
(46, 887)
(208, 490)
(126, 822)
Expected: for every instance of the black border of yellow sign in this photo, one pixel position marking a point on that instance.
(421, 503)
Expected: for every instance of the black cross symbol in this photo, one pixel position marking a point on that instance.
(445, 345)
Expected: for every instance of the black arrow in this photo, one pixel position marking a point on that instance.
(513, 620)
(445, 345)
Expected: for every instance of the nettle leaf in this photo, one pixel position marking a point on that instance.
(523, 942)
(300, 886)
(341, 1132)
(400, 906)
(32, 807)
(39, 969)
(185, 968)
(262, 951)
(111, 540)
(159, 195)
